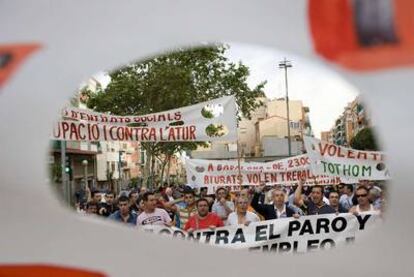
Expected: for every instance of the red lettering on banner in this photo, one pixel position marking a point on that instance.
(104, 132)
(161, 117)
(111, 132)
(171, 134)
(89, 131)
(192, 133)
(336, 151)
(322, 150)
(120, 134)
(282, 174)
(177, 116)
(277, 166)
(210, 167)
(331, 150)
(65, 128)
(252, 178)
(74, 115)
(273, 177)
(144, 133)
(340, 155)
(288, 176)
(375, 155)
(128, 134)
(83, 116)
(179, 133)
(95, 132)
(153, 134)
(351, 154)
(74, 130)
(81, 125)
(362, 155)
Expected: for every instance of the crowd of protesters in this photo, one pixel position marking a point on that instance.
(192, 209)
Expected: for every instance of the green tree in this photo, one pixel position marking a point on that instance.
(365, 140)
(176, 79)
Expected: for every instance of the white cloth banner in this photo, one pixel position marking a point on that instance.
(158, 127)
(213, 173)
(286, 235)
(347, 163)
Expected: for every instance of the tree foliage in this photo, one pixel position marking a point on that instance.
(365, 140)
(176, 79)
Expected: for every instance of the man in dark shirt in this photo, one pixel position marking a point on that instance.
(314, 205)
(333, 197)
(133, 201)
(278, 209)
(124, 214)
(108, 207)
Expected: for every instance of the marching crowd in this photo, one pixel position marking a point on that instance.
(190, 209)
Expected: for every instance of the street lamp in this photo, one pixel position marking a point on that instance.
(85, 172)
(285, 64)
(121, 152)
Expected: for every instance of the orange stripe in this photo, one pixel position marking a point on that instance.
(45, 271)
(17, 53)
(335, 37)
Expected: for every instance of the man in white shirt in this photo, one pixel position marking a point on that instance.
(242, 216)
(222, 207)
(151, 214)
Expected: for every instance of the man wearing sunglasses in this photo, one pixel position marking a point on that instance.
(364, 205)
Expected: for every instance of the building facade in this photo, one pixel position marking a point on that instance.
(353, 119)
(264, 135)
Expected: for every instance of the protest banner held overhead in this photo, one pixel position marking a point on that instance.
(212, 173)
(183, 124)
(286, 235)
(335, 160)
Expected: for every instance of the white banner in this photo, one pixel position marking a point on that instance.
(225, 105)
(288, 235)
(335, 160)
(213, 173)
(159, 127)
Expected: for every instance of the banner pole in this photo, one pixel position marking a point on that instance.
(238, 163)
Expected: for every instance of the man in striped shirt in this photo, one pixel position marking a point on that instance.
(186, 208)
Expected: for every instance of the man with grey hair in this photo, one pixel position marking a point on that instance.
(278, 209)
(242, 215)
(375, 198)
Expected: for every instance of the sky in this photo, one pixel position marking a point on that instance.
(321, 89)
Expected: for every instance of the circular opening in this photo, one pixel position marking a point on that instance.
(222, 145)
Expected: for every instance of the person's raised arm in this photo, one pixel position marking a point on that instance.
(255, 201)
(298, 199)
(226, 207)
